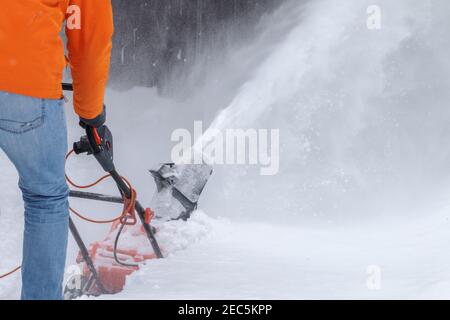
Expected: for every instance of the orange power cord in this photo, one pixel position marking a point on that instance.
(127, 212)
(10, 272)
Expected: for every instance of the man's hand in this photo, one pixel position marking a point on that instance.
(96, 122)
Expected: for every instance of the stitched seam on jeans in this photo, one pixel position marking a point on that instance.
(40, 122)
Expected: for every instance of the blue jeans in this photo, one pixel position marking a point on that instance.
(33, 134)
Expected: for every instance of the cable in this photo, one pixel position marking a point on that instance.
(127, 213)
(10, 272)
(116, 243)
(128, 205)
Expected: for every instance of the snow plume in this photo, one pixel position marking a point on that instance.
(362, 115)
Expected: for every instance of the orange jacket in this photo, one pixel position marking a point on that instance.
(32, 56)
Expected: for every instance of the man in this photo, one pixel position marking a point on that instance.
(32, 122)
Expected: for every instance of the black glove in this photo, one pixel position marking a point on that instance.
(97, 122)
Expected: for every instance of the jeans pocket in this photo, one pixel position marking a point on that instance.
(20, 114)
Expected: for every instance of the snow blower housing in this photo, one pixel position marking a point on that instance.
(178, 189)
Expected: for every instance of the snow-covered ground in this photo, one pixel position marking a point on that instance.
(226, 260)
(219, 259)
(360, 207)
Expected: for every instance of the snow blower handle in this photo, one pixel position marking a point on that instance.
(99, 142)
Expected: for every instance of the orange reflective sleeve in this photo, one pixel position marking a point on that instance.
(89, 32)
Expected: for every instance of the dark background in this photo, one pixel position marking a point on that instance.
(157, 40)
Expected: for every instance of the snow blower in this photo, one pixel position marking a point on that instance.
(104, 264)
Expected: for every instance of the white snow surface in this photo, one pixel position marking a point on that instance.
(360, 208)
(218, 259)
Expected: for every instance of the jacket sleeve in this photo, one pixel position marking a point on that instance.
(89, 51)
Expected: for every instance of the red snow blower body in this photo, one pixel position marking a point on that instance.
(106, 264)
(115, 264)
